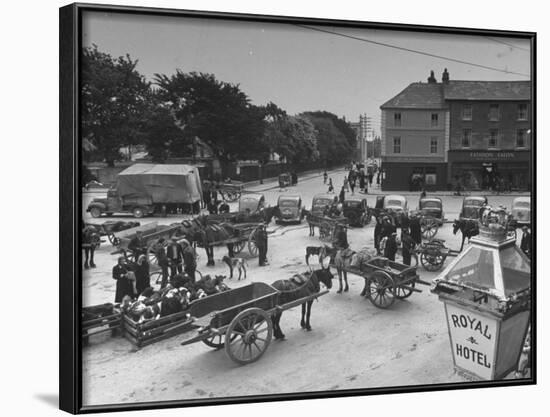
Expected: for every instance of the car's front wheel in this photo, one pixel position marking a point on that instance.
(95, 212)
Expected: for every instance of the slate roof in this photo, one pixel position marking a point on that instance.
(418, 96)
(487, 90)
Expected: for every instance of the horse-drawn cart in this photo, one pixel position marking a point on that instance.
(244, 234)
(150, 234)
(433, 254)
(239, 320)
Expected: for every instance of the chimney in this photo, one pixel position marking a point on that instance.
(445, 77)
(431, 79)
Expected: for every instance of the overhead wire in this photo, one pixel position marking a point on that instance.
(507, 44)
(401, 48)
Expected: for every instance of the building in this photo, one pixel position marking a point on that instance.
(490, 135)
(415, 138)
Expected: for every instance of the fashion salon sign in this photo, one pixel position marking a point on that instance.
(473, 340)
(492, 155)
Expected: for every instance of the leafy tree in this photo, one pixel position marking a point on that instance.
(219, 113)
(162, 136)
(341, 124)
(115, 97)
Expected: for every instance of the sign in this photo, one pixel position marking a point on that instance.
(473, 340)
(493, 155)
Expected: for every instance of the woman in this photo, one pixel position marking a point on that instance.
(142, 274)
(125, 285)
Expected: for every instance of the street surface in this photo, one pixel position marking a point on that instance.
(352, 345)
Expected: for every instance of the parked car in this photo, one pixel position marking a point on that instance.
(471, 206)
(289, 209)
(393, 205)
(285, 180)
(319, 202)
(521, 211)
(432, 207)
(355, 209)
(253, 202)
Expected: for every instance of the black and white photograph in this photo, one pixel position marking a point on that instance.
(299, 207)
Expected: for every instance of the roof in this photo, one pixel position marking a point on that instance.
(330, 196)
(395, 197)
(487, 90)
(430, 199)
(289, 197)
(158, 169)
(418, 96)
(255, 196)
(354, 198)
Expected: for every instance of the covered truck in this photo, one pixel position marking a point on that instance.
(144, 189)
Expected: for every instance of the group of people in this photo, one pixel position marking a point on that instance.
(411, 235)
(210, 200)
(356, 177)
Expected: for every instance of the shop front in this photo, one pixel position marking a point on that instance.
(490, 170)
(413, 176)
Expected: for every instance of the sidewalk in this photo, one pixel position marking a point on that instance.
(273, 182)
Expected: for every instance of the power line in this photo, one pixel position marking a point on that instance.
(507, 44)
(414, 51)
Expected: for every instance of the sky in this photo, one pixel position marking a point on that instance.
(301, 69)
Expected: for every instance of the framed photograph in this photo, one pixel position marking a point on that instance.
(261, 208)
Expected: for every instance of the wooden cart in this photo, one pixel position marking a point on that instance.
(231, 191)
(100, 319)
(433, 254)
(239, 320)
(245, 235)
(151, 233)
(327, 225)
(386, 281)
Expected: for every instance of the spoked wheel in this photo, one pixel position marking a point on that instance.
(381, 289)
(253, 242)
(238, 246)
(216, 342)
(432, 261)
(429, 227)
(249, 335)
(152, 251)
(402, 293)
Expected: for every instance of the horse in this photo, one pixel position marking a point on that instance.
(299, 286)
(210, 233)
(306, 214)
(345, 258)
(91, 240)
(468, 228)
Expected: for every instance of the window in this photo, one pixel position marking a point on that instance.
(433, 144)
(397, 144)
(467, 112)
(522, 111)
(466, 138)
(493, 138)
(494, 112)
(520, 138)
(397, 119)
(435, 120)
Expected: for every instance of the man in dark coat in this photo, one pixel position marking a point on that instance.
(189, 259)
(261, 242)
(391, 247)
(137, 245)
(162, 260)
(341, 237)
(525, 245)
(142, 274)
(408, 245)
(174, 253)
(124, 283)
(416, 229)
(378, 234)
(342, 196)
(387, 227)
(405, 224)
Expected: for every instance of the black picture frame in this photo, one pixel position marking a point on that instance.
(70, 291)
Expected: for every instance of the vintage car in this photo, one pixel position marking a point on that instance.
(285, 180)
(253, 202)
(521, 211)
(394, 205)
(319, 202)
(289, 209)
(355, 209)
(471, 206)
(431, 207)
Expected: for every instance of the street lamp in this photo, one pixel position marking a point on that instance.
(486, 292)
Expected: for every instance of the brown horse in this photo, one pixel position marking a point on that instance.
(468, 228)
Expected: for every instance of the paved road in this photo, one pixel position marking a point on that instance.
(352, 345)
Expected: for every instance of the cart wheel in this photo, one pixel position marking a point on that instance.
(115, 241)
(403, 293)
(249, 335)
(252, 246)
(429, 228)
(381, 289)
(138, 212)
(324, 231)
(95, 212)
(151, 255)
(238, 246)
(216, 342)
(432, 261)
(156, 277)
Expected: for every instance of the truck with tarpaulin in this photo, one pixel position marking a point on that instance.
(146, 189)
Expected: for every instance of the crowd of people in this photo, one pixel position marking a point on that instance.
(356, 178)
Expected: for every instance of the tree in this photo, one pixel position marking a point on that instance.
(341, 124)
(162, 136)
(115, 98)
(219, 113)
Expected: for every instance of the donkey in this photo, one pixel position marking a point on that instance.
(468, 228)
(320, 251)
(299, 286)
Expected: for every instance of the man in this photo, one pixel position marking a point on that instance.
(341, 237)
(387, 227)
(342, 195)
(261, 242)
(124, 284)
(378, 234)
(174, 253)
(162, 260)
(416, 229)
(137, 245)
(325, 176)
(408, 247)
(525, 245)
(391, 247)
(189, 259)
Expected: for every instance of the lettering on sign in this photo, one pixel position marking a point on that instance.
(473, 340)
(492, 155)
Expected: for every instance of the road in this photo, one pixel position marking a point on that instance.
(352, 345)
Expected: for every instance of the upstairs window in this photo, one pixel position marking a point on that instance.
(521, 138)
(493, 138)
(467, 112)
(433, 144)
(435, 119)
(494, 112)
(397, 119)
(522, 111)
(397, 144)
(466, 138)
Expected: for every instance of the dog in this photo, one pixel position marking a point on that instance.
(238, 263)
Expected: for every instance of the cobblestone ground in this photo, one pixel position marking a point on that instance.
(352, 345)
